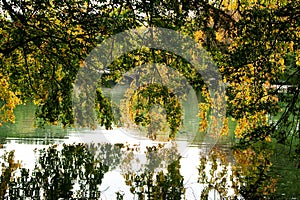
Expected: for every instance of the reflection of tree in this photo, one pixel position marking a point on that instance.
(57, 171)
(76, 172)
(159, 185)
(247, 176)
(161, 178)
(8, 168)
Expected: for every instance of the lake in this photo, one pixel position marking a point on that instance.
(24, 138)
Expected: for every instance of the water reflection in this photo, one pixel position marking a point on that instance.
(77, 170)
(67, 171)
(129, 171)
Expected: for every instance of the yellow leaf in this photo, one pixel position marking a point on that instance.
(281, 61)
(219, 36)
(291, 46)
(268, 139)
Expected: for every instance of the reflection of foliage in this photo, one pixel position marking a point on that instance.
(108, 154)
(252, 173)
(247, 177)
(120, 195)
(148, 96)
(158, 157)
(161, 185)
(217, 177)
(155, 156)
(161, 178)
(57, 171)
(8, 168)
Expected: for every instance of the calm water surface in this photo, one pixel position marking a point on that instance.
(23, 137)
